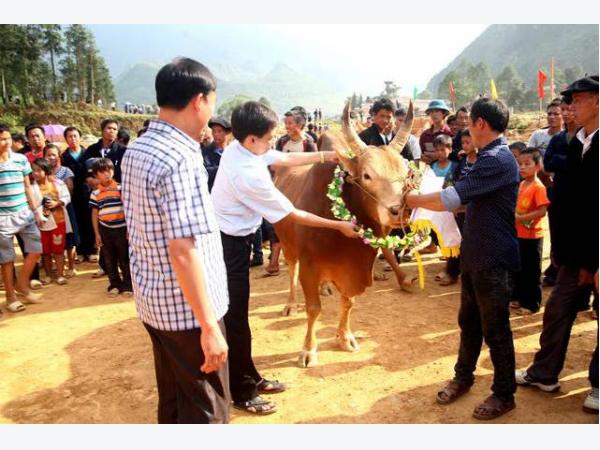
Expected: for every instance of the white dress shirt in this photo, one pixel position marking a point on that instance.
(585, 140)
(244, 192)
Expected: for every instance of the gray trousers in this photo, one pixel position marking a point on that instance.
(559, 316)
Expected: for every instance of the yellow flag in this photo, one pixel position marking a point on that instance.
(493, 91)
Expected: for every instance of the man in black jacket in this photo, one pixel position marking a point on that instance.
(576, 197)
(108, 147)
(380, 133)
(221, 128)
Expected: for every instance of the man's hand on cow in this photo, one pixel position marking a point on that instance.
(348, 229)
(214, 346)
(331, 157)
(410, 198)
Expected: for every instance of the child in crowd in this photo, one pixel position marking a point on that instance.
(532, 203)
(443, 167)
(108, 220)
(516, 148)
(66, 175)
(53, 195)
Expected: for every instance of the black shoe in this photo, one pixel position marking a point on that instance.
(256, 262)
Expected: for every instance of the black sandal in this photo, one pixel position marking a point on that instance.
(452, 392)
(256, 406)
(270, 386)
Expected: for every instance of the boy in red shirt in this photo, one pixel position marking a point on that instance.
(532, 204)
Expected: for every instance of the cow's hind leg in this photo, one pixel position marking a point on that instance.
(345, 338)
(291, 306)
(310, 286)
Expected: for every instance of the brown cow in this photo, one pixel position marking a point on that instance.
(373, 192)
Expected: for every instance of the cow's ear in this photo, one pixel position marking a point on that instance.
(348, 160)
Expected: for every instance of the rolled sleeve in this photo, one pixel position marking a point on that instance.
(182, 199)
(450, 198)
(272, 156)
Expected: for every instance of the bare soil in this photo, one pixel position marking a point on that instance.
(81, 357)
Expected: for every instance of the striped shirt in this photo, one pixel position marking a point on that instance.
(165, 193)
(107, 200)
(12, 186)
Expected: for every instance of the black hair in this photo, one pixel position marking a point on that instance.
(451, 118)
(106, 122)
(555, 103)
(49, 146)
(567, 99)
(33, 126)
(44, 165)
(310, 126)
(494, 112)
(535, 153)
(102, 165)
(462, 109)
(442, 140)
(382, 103)
(465, 132)
(146, 123)
(69, 129)
(124, 136)
(4, 128)
(19, 137)
(141, 131)
(298, 117)
(400, 112)
(252, 118)
(519, 146)
(181, 80)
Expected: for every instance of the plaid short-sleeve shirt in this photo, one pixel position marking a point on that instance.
(165, 194)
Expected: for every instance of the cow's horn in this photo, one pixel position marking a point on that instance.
(403, 133)
(355, 143)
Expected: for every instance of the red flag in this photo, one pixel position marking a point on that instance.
(452, 92)
(541, 78)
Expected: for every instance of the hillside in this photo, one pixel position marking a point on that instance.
(527, 47)
(283, 86)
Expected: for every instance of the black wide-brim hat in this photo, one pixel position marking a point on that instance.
(586, 84)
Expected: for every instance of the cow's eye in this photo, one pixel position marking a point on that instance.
(366, 176)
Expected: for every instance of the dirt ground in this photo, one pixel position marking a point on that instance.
(81, 357)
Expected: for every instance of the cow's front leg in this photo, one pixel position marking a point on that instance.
(345, 338)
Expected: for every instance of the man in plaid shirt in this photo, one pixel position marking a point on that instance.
(176, 255)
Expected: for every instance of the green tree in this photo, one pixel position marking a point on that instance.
(53, 44)
(510, 86)
(9, 49)
(77, 39)
(265, 101)
(227, 107)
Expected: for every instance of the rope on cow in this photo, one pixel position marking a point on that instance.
(340, 211)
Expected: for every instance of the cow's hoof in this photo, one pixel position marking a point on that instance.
(308, 359)
(326, 290)
(348, 342)
(289, 310)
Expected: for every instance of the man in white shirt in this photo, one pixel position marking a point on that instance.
(243, 194)
(541, 138)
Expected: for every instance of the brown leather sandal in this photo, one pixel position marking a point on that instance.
(492, 408)
(451, 392)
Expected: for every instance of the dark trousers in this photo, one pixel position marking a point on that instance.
(185, 393)
(453, 263)
(243, 376)
(559, 315)
(83, 216)
(115, 252)
(484, 314)
(257, 249)
(528, 281)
